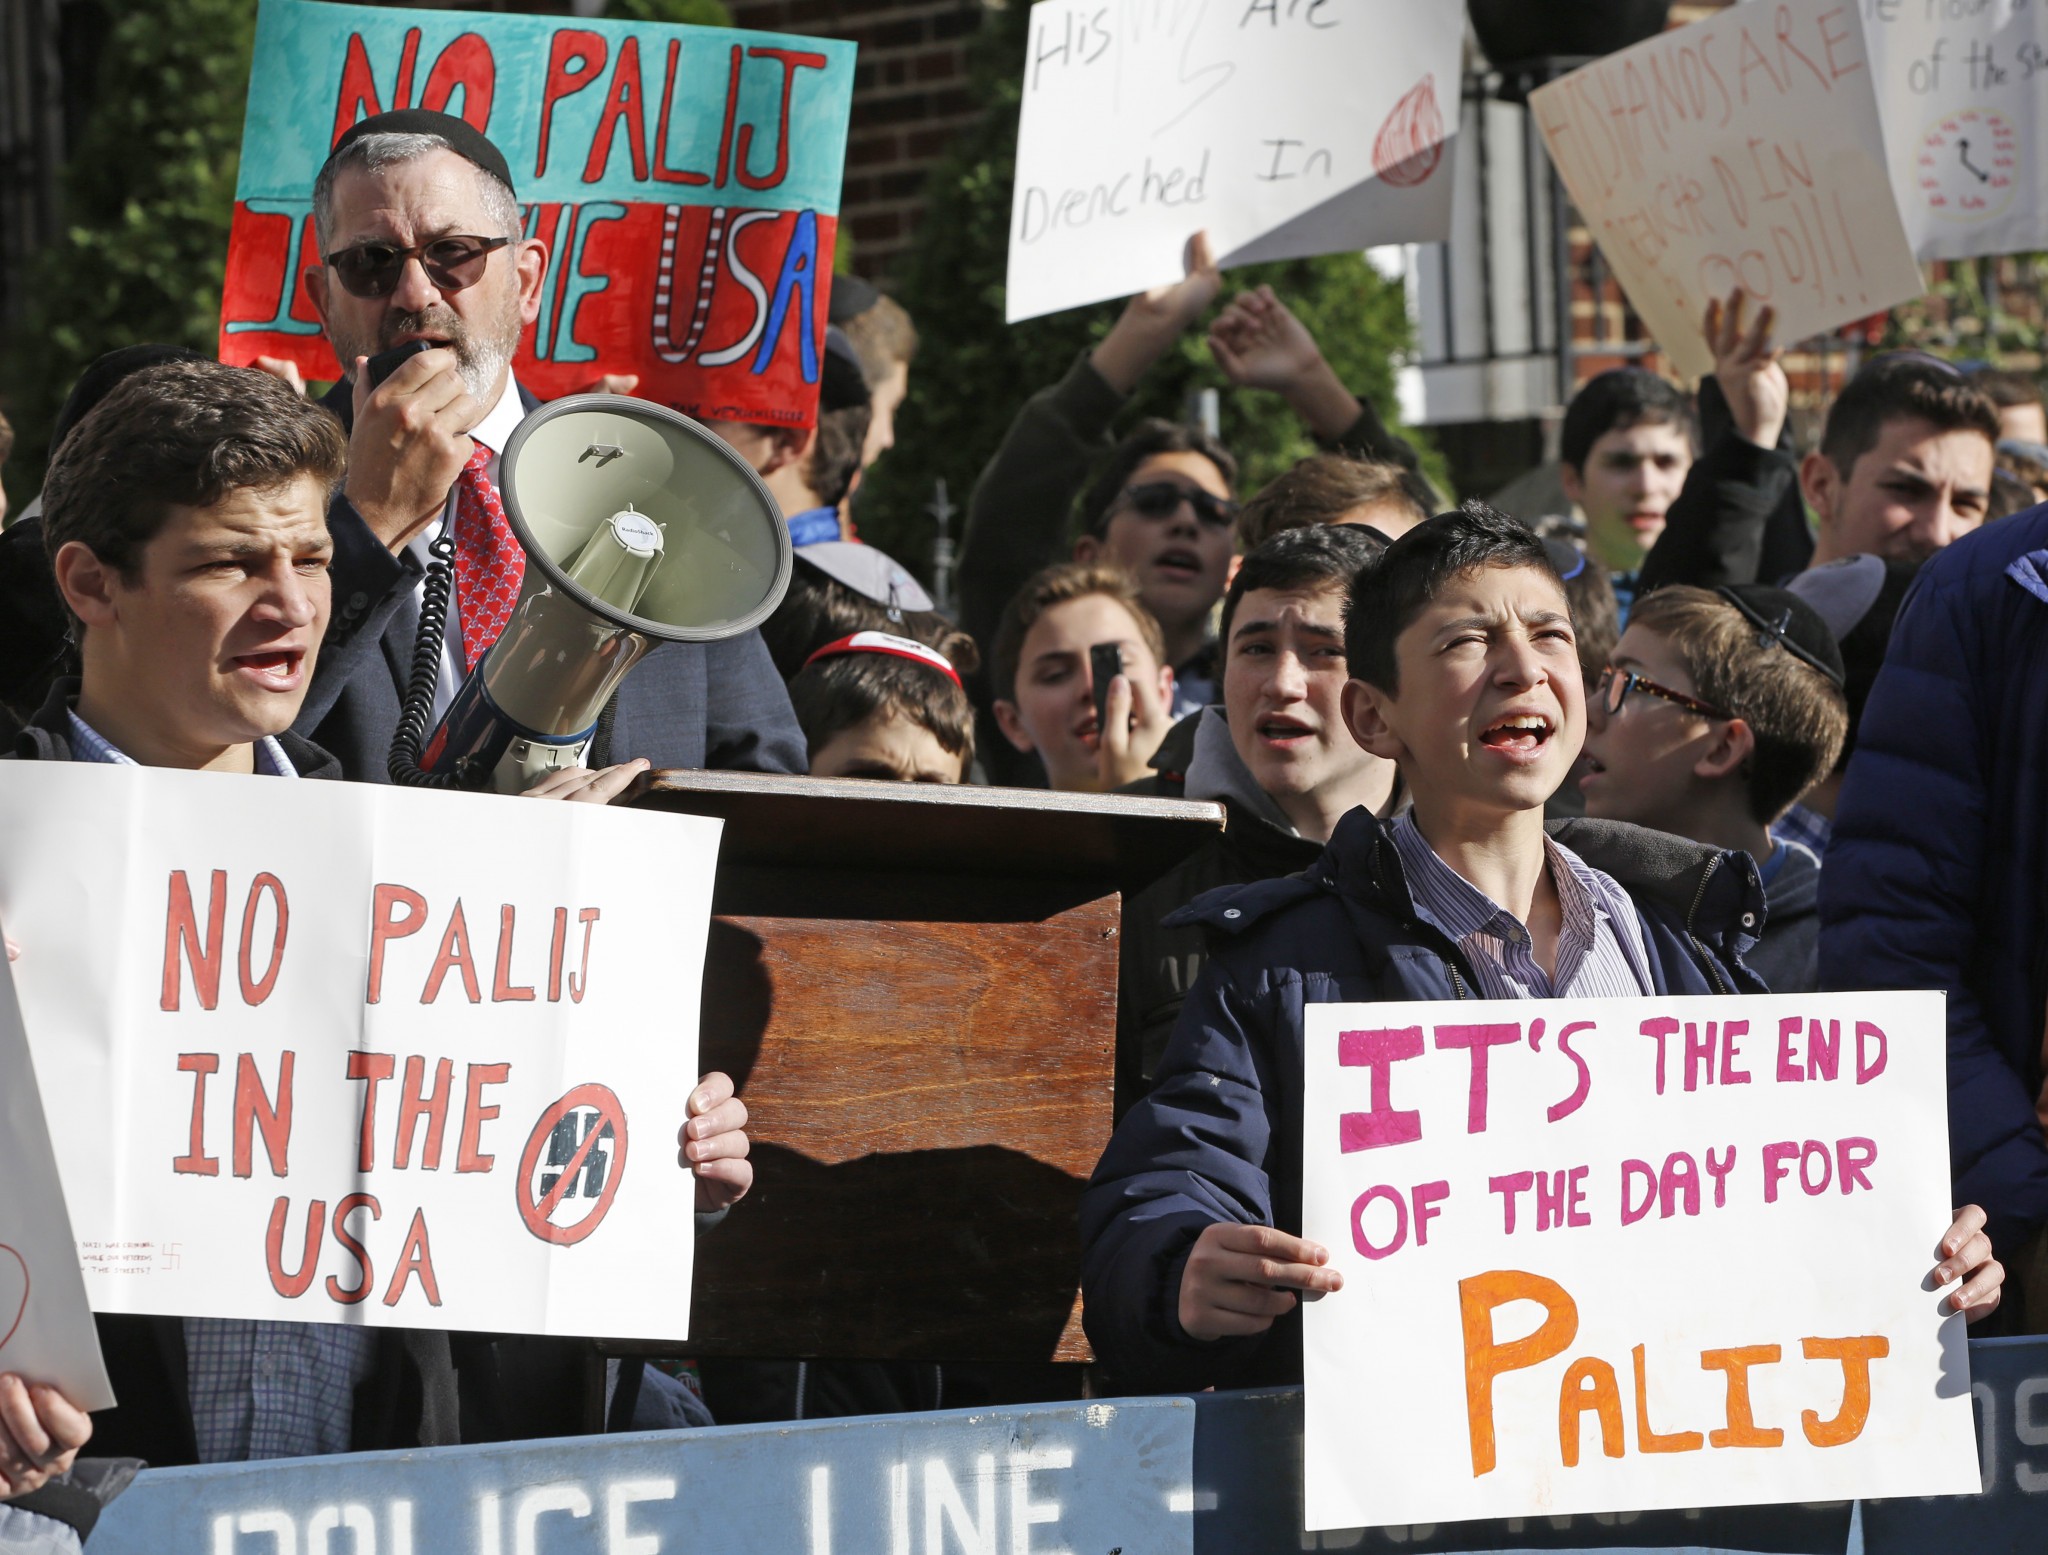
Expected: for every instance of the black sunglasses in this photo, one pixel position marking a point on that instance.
(1162, 499)
(1614, 686)
(452, 263)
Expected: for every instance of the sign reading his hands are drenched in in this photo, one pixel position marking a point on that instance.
(685, 180)
(343, 1053)
(1618, 1254)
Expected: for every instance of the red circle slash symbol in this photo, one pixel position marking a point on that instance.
(21, 1310)
(575, 1158)
(1411, 142)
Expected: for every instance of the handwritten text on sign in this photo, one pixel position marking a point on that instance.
(369, 1055)
(1960, 85)
(1284, 127)
(1620, 1254)
(1741, 150)
(685, 179)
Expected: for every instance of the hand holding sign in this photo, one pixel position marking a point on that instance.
(713, 1144)
(1238, 1279)
(1966, 1256)
(40, 1434)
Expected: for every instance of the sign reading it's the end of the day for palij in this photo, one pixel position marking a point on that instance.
(1619, 1254)
(343, 1053)
(685, 182)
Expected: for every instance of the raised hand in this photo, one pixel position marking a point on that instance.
(1746, 367)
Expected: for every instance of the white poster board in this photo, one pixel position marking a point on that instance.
(1617, 1254)
(1960, 89)
(46, 1332)
(1740, 150)
(343, 1053)
(1286, 128)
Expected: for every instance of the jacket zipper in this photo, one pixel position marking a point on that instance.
(1706, 955)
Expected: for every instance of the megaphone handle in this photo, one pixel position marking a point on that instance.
(418, 706)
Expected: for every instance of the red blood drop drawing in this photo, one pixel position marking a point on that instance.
(1411, 142)
(11, 1274)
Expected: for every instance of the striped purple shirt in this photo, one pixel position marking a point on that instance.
(1600, 952)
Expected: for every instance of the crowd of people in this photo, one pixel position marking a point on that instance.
(1689, 742)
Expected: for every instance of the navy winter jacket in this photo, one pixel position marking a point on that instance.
(1219, 1137)
(1937, 874)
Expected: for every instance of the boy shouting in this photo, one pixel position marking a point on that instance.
(1465, 674)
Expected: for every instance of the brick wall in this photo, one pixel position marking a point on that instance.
(910, 97)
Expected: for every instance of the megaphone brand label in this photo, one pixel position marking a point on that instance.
(684, 179)
(370, 1053)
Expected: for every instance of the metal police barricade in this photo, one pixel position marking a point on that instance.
(1212, 1474)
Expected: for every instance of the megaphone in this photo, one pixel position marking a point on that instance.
(640, 526)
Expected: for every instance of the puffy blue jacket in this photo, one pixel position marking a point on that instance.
(1937, 874)
(1219, 1137)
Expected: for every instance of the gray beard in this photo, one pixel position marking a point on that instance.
(481, 360)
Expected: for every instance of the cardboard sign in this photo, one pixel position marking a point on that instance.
(1960, 88)
(1285, 127)
(46, 1332)
(342, 1053)
(1615, 1254)
(1742, 150)
(684, 179)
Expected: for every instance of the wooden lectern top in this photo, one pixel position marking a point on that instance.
(915, 987)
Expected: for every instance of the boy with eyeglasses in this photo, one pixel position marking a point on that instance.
(1718, 710)
(1465, 674)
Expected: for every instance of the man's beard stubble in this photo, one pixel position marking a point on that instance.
(481, 356)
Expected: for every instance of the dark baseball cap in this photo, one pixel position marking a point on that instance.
(464, 140)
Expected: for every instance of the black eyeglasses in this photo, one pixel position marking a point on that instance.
(1614, 685)
(1162, 499)
(453, 264)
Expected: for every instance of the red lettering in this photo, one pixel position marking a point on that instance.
(579, 983)
(416, 1257)
(732, 108)
(358, 96)
(1476, 1040)
(475, 1114)
(256, 1111)
(408, 57)
(1386, 1124)
(256, 989)
(454, 955)
(195, 1160)
(555, 951)
(466, 63)
(294, 1285)
(662, 171)
(335, 1289)
(502, 986)
(375, 1068)
(623, 102)
(792, 61)
(181, 933)
(1867, 1068)
(412, 1106)
(1660, 1028)
(395, 912)
(575, 58)
(1730, 1052)
(1789, 1070)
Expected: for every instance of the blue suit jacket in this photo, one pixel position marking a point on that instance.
(684, 705)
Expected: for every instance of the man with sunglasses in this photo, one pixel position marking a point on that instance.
(422, 241)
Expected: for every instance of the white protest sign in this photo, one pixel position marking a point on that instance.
(1286, 128)
(46, 1332)
(1960, 88)
(343, 1053)
(1741, 150)
(1616, 1254)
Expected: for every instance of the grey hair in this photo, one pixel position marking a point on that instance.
(374, 153)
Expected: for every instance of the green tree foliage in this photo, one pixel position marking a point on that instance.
(973, 371)
(148, 192)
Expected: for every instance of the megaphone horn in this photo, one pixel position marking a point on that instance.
(640, 526)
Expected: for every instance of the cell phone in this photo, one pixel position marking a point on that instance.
(385, 363)
(1105, 663)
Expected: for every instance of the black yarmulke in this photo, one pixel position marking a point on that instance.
(464, 141)
(1781, 616)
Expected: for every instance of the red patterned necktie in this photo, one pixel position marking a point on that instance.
(488, 561)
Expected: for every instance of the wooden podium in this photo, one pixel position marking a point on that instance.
(915, 988)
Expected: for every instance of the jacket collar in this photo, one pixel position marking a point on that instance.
(2030, 572)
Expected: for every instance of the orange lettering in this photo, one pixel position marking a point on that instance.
(1855, 1355)
(1485, 1360)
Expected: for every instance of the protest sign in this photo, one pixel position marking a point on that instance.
(1741, 150)
(344, 1053)
(1619, 1254)
(1959, 86)
(46, 1332)
(1284, 127)
(685, 181)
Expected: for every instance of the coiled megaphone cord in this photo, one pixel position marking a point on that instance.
(418, 707)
